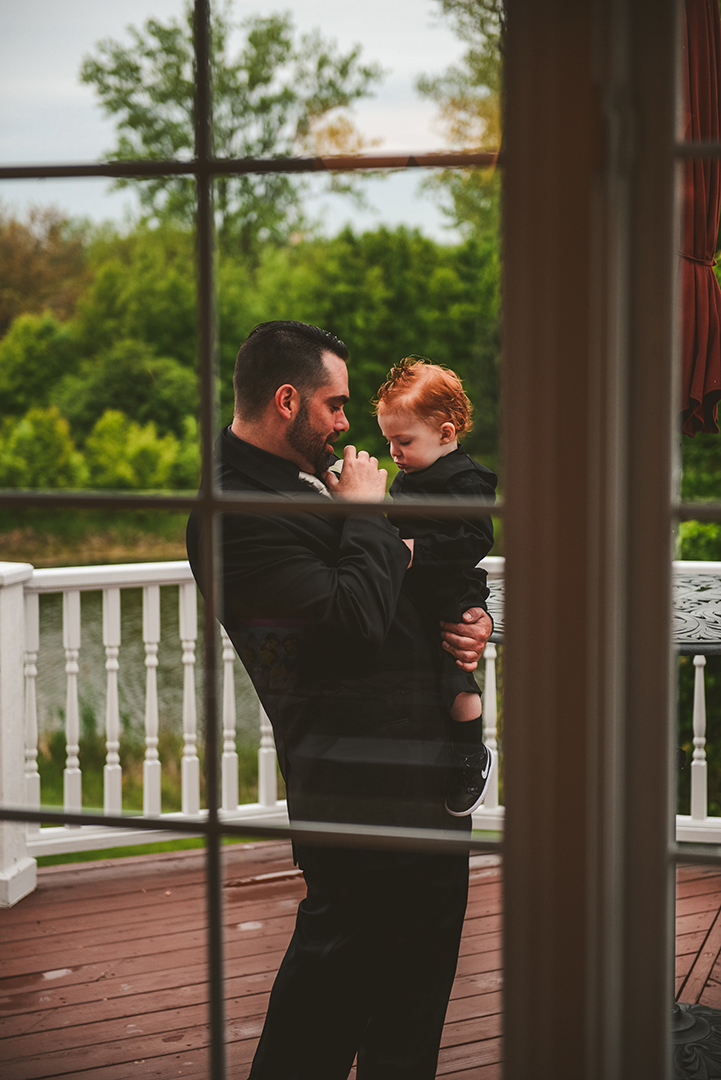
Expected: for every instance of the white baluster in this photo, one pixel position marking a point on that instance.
(230, 756)
(267, 776)
(188, 635)
(490, 719)
(112, 772)
(72, 779)
(699, 804)
(32, 647)
(151, 639)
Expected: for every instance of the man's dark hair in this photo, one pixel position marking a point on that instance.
(280, 352)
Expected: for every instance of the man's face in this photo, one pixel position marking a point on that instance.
(321, 419)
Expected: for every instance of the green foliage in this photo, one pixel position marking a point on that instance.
(700, 540)
(52, 754)
(131, 407)
(469, 99)
(121, 454)
(277, 96)
(34, 355)
(38, 452)
(129, 376)
(185, 470)
(701, 477)
(143, 290)
(51, 763)
(386, 294)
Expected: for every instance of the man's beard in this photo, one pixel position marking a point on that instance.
(308, 442)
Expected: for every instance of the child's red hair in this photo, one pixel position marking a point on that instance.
(429, 391)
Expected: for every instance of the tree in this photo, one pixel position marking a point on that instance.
(277, 96)
(131, 378)
(700, 479)
(43, 264)
(470, 99)
(121, 454)
(34, 355)
(386, 293)
(143, 289)
(38, 452)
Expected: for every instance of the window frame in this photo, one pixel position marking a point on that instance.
(602, 1011)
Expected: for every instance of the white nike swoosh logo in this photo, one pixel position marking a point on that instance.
(484, 774)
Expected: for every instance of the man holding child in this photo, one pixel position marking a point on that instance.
(360, 721)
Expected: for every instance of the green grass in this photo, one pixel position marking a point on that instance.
(51, 763)
(135, 849)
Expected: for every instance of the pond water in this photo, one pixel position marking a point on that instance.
(51, 680)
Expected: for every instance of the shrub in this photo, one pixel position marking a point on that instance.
(121, 454)
(38, 452)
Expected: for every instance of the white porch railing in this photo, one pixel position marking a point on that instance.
(22, 624)
(20, 588)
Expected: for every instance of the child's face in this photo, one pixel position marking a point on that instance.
(414, 443)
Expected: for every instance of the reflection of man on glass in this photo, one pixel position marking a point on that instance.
(358, 722)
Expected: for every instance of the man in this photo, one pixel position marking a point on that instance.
(359, 728)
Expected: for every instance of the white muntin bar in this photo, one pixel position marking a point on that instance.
(188, 601)
(151, 640)
(230, 756)
(699, 780)
(32, 648)
(490, 719)
(72, 779)
(112, 772)
(267, 776)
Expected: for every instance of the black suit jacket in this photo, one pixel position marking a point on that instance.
(345, 665)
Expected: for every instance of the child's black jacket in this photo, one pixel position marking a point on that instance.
(443, 575)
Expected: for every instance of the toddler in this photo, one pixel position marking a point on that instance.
(422, 410)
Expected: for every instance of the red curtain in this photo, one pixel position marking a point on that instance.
(700, 294)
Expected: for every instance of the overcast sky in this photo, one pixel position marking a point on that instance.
(46, 114)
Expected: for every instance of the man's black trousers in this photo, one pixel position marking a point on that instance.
(369, 968)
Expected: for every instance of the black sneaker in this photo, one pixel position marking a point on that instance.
(469, 781)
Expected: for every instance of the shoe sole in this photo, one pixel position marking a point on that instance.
(481, 798)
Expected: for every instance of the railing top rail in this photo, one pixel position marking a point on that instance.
(494, 565)
(133, 575)
(689, 566)
(124, 576)
(11, 573)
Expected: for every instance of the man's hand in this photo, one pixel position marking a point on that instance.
(361, 480)
(467, 640)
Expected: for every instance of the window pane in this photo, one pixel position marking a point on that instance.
(98, 358)
(697, 574)
(49, 113)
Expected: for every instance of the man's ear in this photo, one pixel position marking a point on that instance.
(287, 401)
(448, 432)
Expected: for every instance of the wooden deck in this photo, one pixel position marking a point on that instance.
(104, 976)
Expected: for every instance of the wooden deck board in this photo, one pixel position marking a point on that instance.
(104, 968)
